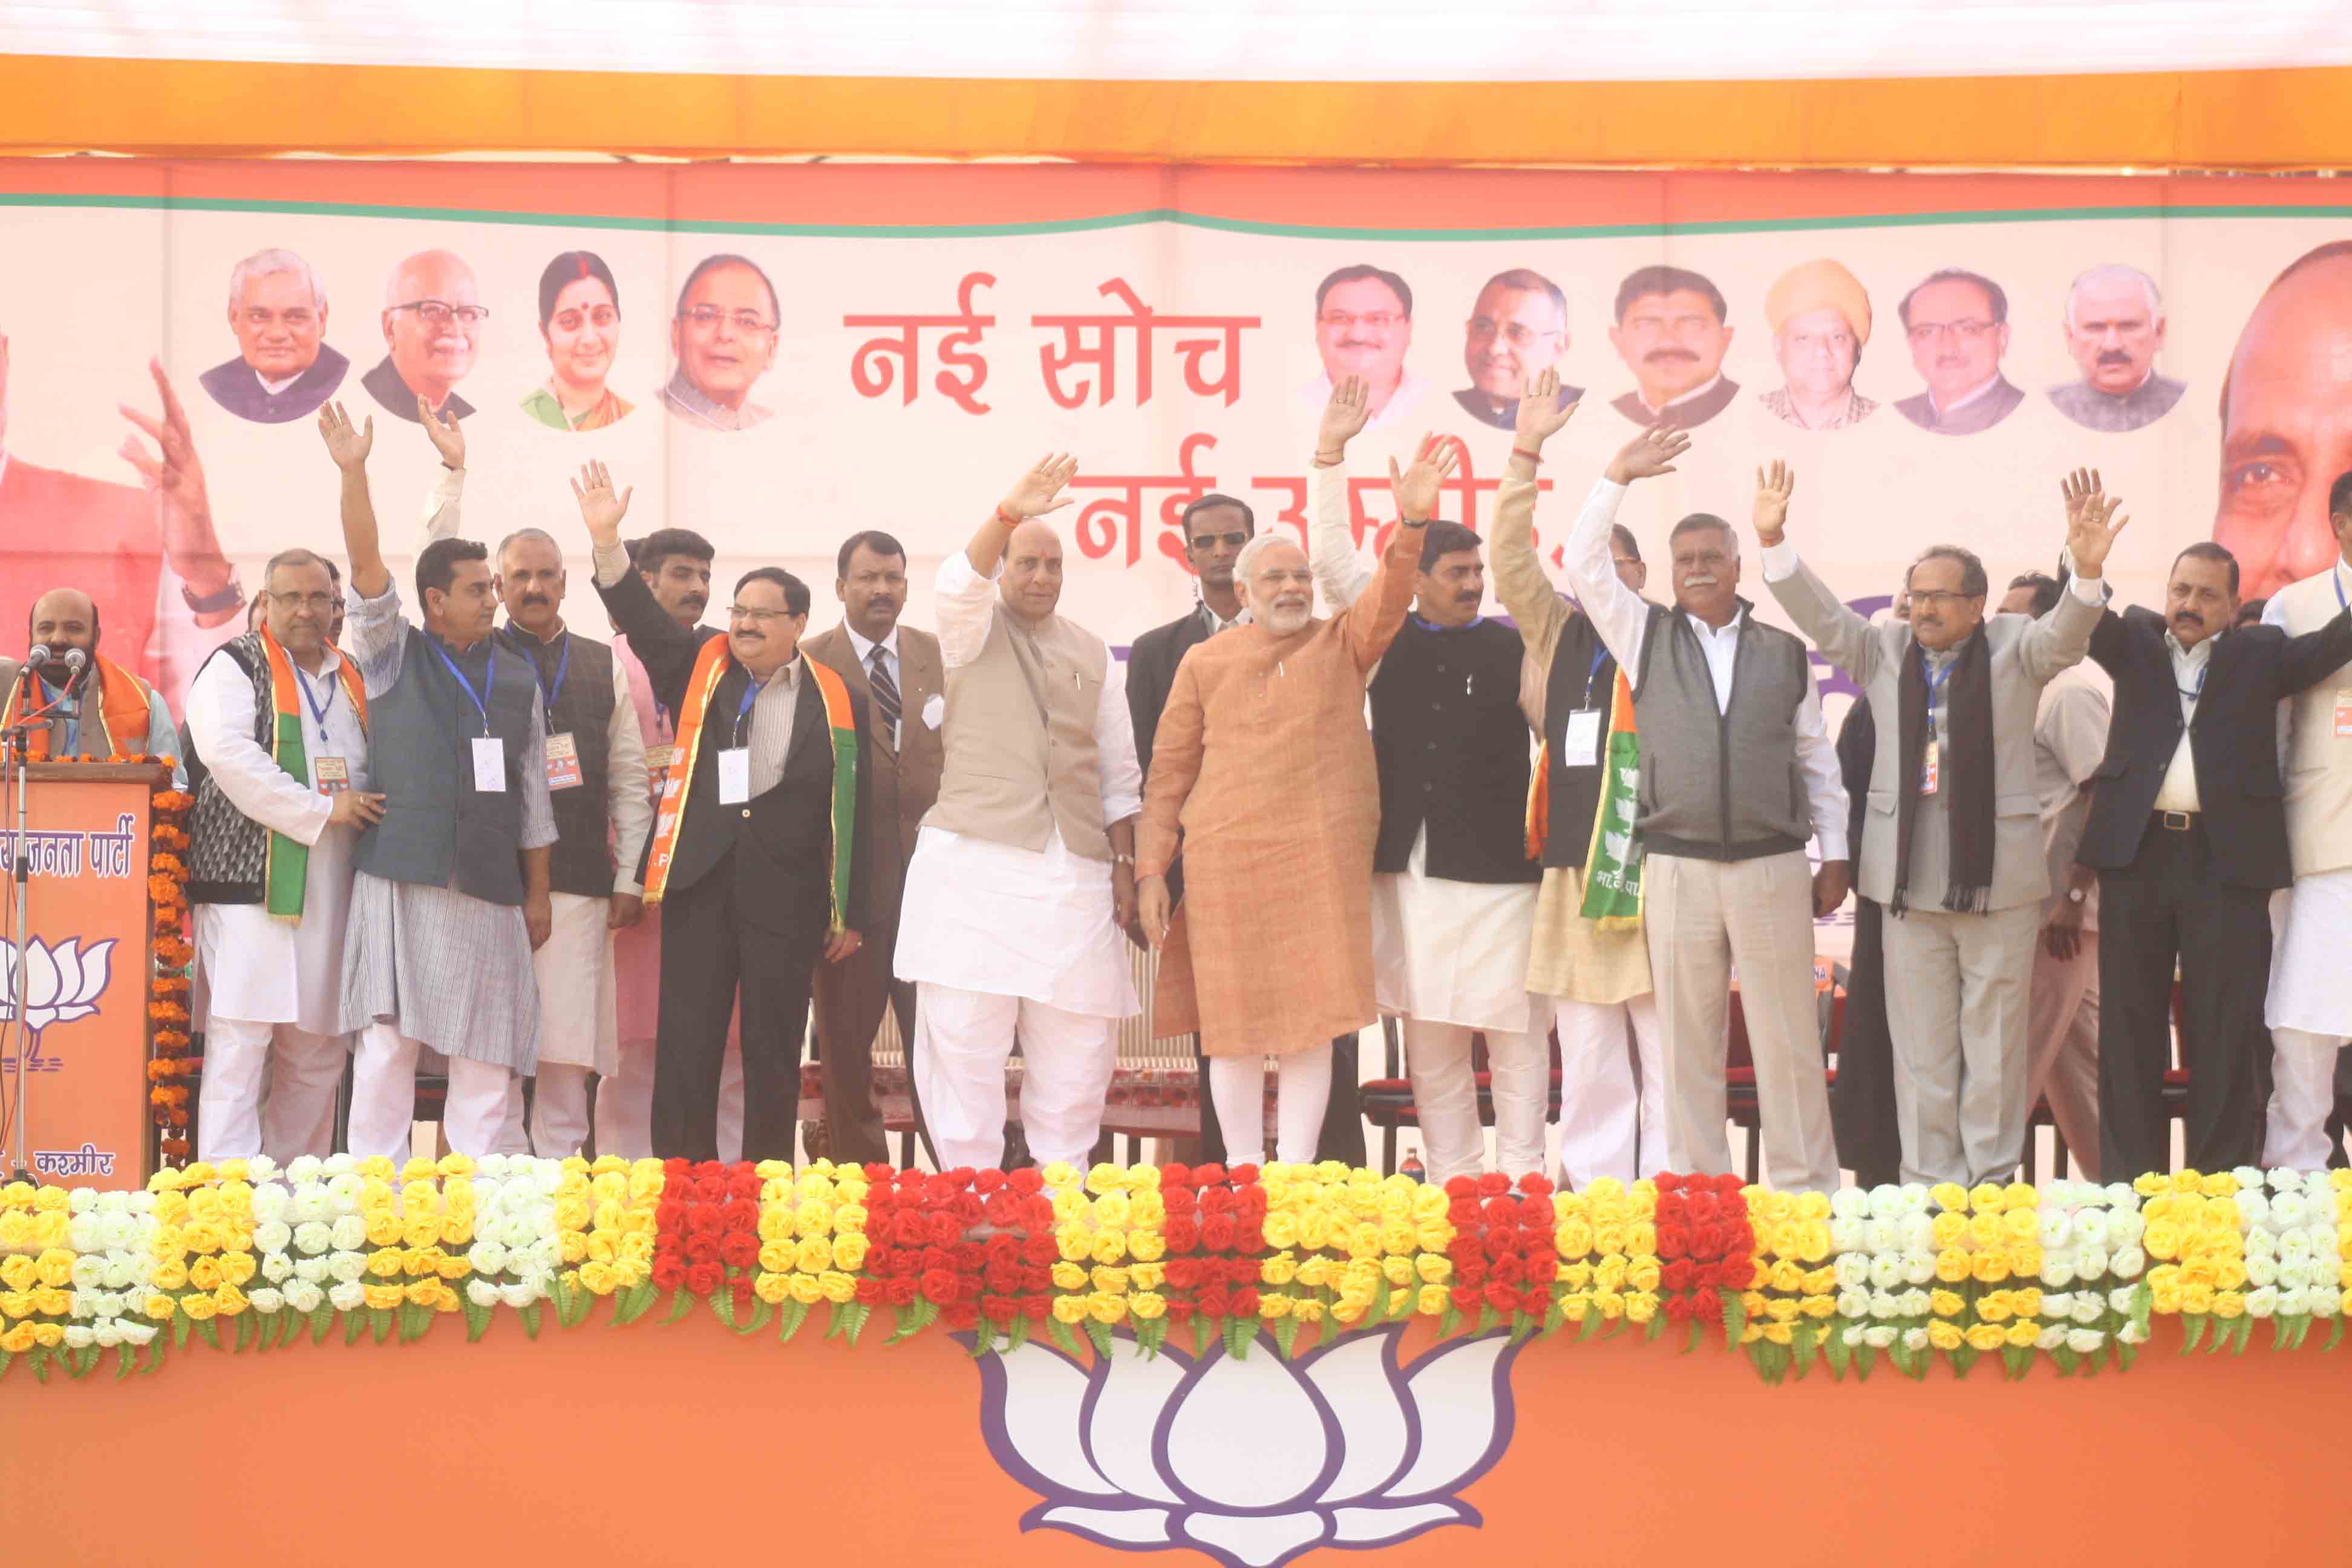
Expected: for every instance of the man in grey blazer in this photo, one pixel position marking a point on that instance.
(1952, 839)
(897, 671)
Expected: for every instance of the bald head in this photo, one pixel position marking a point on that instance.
(432, 322)
(2286, 424)
(1031, 583)
(64, 618)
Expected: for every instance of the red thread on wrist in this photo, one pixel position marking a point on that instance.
(1006, 518)
(1531, 456)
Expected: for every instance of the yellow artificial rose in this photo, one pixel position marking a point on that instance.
(1109, 1281)
(2023, 1333)
(2022, 1224)
(2027, 1302)
(1111, 1211)
(422, 1292)
(1821, 1282)
(836, 1286)
(1610, 1274)
(600, 1278)
(1949, 1195)
(1787, 1276)
(1432, 1235)
(575, 1245)
(1068, 1276)
(56, 1303)
(1991, 1268)
(1147, 1305)
(1642, 1273)
(602, 1248)
(1076, 1243)
(2152, 1183)
(1307, 1310)
(2219, 1184)
(849, 1252)
(384, 1228)
(1995, 1308)
(1316, 1229)
(2165, 1300)
(1398, 1271)
(776, 1224)
(1574, 1238)
(19, 1337)
(1273, 1304)
(815, 1255)
(1610, 1304)
(1950, 1229)
(1819, 1306)
(1641, 1238)
(813, 1218)
(2197, 1298)
(2201, 1271)
(1751, 1333)
(383, 1297)
(1110, 1246)
(1281, 1231)
(1988, 1197)
(1069, 1309)
(1279, 1270)
(1579, 1275)
(1986, 1230)
(1952, 1265)
(238, 1268)
(54, 1267)
(806, 1290)
(1780, 1333)
(1752, 1302)
(1362, 1240)
(197, 1307)
(171, 1276)
(1946, 1303)
(1610, 1239)
(21, 1272)
(2161, 1239)
(17, 1304)
(1315, 1271)
(1945, 1335)
(1782, 1309)
(2228, 1304)
(48, 1336)
(1146, 1245)
(776, 1256)
(1432, 1300)
(1145, 1276)
(1641, 1306)
(2229, 1274)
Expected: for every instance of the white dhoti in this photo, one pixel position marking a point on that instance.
(1451, 959)
(2309, 1012)
(579, 1024)
(1613, 1117)
(1000, 941)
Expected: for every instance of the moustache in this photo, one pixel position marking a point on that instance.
(2114, 356)
(1698, 581)
(1656, 356)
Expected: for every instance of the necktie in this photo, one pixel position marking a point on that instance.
(885, 690)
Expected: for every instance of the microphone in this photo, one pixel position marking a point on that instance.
(37, 654)
(76, 665)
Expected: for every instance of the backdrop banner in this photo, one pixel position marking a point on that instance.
(887, 346)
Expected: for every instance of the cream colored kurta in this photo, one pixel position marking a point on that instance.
(1264, 760)
(1570, 955)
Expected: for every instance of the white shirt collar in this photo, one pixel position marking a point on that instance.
(2189, 658)
(274, 388)
(1729, 628)
(1970, 395)
(864, 648)
(1216, 623)
(1685, 397)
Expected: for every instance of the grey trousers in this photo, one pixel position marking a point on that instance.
(1958, 991)
(1702, 917)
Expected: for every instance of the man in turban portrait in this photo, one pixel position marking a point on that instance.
(1820, 318)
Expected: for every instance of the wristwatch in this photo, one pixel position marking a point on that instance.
(1121, 859)
(2073, 895)
(228, 596)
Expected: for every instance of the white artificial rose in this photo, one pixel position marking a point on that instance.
(313, 1237)
(2123, 1299)
(2253, 1212)
(118, 1232)
(347, 1297)
(486, 1258)
(1885, 1304)
(545, 1175)
(2057, 1303)
(335, 1165)
(2263, 1302)
(109, 1334)
(303, 1168)
(2324, 1300)
(1913, 1198)
(2128, 1263)
(1885, 1270)
(1849, 1235)
(481, 1293)
(314, 1269)
(1918, 1267)
(137, 1334)
(2295, 1245)
(2284, 1178)
(2083, 1341)
(1886, 1201)
(348, 1268)
(494, 1166)
(2059, 1194)
(1885, 1235)
(2091, 1228)
(515, 1231)
(2057, 1228)
(2089, 1306)
(89, 1271)
(79, 1337)
(2293, 1303)
(343, 1191)
(1879, 1336)
(1918, 1232)
(1915, 1303)
(2260, 1270)
(1850, 1203)
(304, 1297)
(126, 1270)
(1852, 1269)
(277, 1269)
(2247, 1176)
(2057, 1270)
(2289, 1210)
(2294, 1274)
(2090, 1262)
(1915, 1339)
(1852, 1303)
(266, 1298)
(81, 1231)
(2050, 1338)
(1851, 1336)
(270, 1201)
(348, 1233)
(519, 1296)
(271, 1236)
(310, 1204)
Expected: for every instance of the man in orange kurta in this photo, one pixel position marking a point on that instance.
(1263, 763)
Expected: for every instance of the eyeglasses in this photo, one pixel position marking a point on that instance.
(708, 316)
(756, 617)
(1230, 541)
(570, 320)
(1968, 331)
(1379, 321)
(1936, 599)
(1519, 334)
(318, 603)
(441, 314)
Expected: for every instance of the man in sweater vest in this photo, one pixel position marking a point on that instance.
(1736, 772)
(1023, 874)
(1587, 962)
(1453, 893)
(2309, 1009)
(451, 895)
(278, 752)
(1954, 833)
(755, 854)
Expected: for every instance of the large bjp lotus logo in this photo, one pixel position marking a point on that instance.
(59, 986)
(1257, 1461)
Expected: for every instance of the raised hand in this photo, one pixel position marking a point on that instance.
(1343, 416)
(177, 477)
(2090, 535)
(1773, 488)
(447, 439)
(1039, 491)
(1648, 454)
(1541, 415)
(2078, 489)
(1415, 489)
(600, 509)
(346, 443)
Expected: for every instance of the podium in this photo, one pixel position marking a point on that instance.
(80, 1047)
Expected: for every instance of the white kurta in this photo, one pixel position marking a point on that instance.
(2311, 985)
(256, 967)
(1008, 921)
(1452, 953)
(579, 1021)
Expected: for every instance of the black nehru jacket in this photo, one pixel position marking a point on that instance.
(1451, 746)
(775, 844)
(2235, 739)
(1584, 675)
(583, 708)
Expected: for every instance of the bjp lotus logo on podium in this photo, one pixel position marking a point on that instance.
(1253, 1461)
(59, 985)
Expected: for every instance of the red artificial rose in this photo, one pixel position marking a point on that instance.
(1173, 1175)
(1676, 1275)
(1500, 1211)
(1217, 1232)
(873, 1292)
(1493, 1184)
(938, 1193)
(938, 1285)
(1502, 1242)
(738, 1250)
(1536, 1185)
(1038, 1214)
(1181, 1203)
(1468, 1297)
(1502, 1296)
(1542, 1268)
(1004, 1277)
(1678, 1308)
(675, 1171)
(962, 1315)
(1462, 1187)
(1179, 1309)
(988, 1182)
(968, 1256)
(1465, 1249)
(1025, 1181)
(1536, 1302)
(938, 1258)
(1250, 1236)
(1217, 1201)
(1508, 1269)
(1211, 1175)
(1667, 1181)
(877, 1172)
(701, 1250)
(1245, 1299)
(1474, 1276)
(1038, 1308)
(744, 1300)
(704, 1219)
(1039, 1250)
(967, 1287)
(969, 1209)
(669, 1214)
(1212, 1302)
(1240, 1271)
(1729, 1184)
(1000, 1310)
(669, 1272)
(1000, 1209)
(1002, 1249)
(1707, 1304)
(962, 1176)
(1461, 1213)
(1183, 1273)
(1181, 1234)
(1035, 1277)
(704, 1278)
(943, 1229)
(1535, 1212)
(1698, 1207)
(746, 1183)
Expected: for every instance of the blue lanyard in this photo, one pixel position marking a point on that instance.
(563, 667)
(1935, 680)
(2339, 575)
(2193, 693)
(752, 691)
(1600, 658)
(490, 678)
(318, 709)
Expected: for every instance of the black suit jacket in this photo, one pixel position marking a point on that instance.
(1151, 675)
(235, 387)
(774, 844)
(2235, 739)
(383, 384)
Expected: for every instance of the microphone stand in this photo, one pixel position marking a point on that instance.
(16, 758)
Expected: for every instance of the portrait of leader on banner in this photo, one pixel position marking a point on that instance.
(283, 368)
(432, 322)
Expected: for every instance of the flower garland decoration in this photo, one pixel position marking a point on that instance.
(1706, 1244)
(2092, 1304)
(168, 1022)
(1792, 1284)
